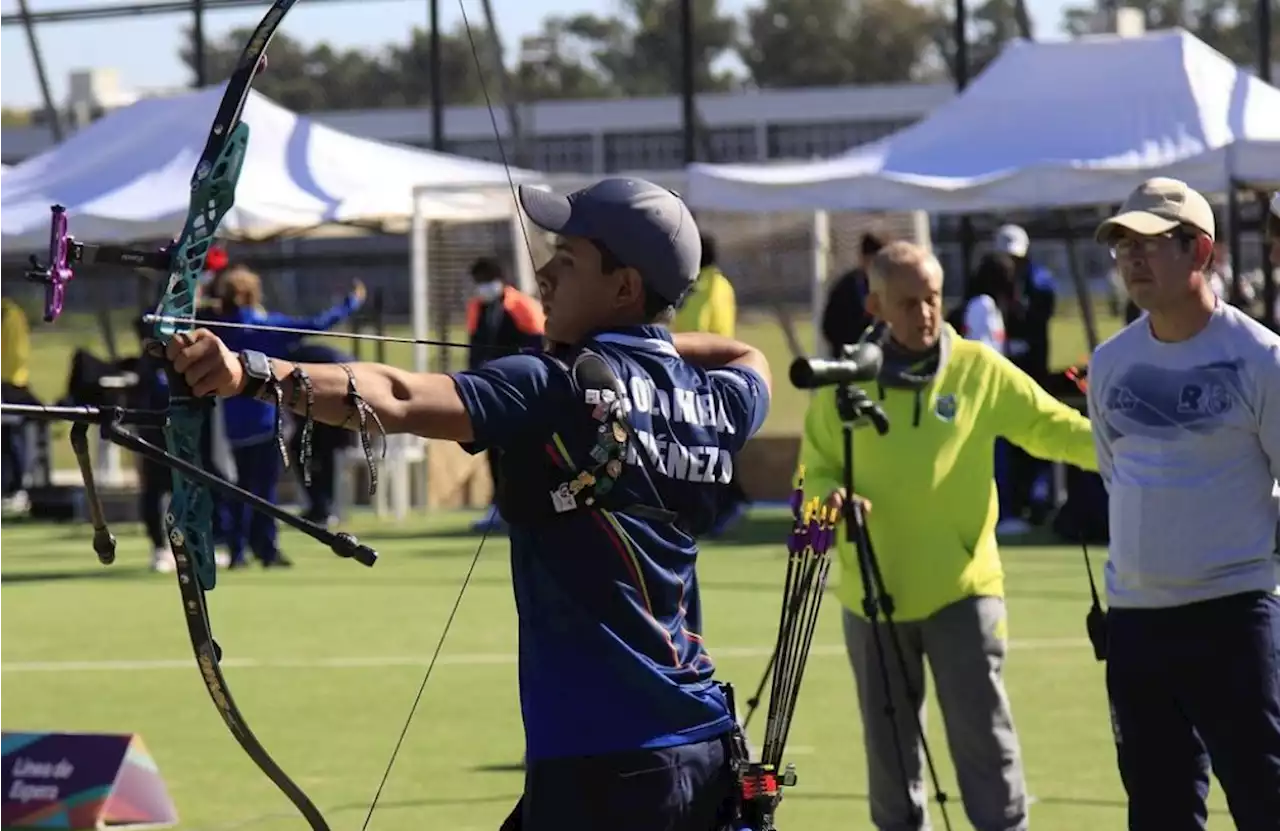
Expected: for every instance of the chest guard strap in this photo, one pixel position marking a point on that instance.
(600, 396)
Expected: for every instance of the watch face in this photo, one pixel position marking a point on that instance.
(257, 365)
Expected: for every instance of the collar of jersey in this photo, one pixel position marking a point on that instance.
(655, 339)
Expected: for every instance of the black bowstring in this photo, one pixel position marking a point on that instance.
(475, 559)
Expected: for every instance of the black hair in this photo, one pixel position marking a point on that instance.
(870, 244)
(657, 309)
(486, 270)
(1273, 225)
(995, 275)
(709, 253)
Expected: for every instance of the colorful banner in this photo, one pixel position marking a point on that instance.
(82, 781)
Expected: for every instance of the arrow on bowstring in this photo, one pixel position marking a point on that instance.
(291, 330)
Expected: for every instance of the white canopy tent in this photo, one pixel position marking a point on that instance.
(127, 176)
(1046, 125)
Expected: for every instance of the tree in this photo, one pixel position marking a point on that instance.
(299, 78)
(799, 43)
(469, 66)
(990, 27)
(1230, 26)
(555, 64)
(11, 117)
(638, 52)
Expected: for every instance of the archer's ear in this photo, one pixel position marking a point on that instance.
(873, 305)
(630, 287)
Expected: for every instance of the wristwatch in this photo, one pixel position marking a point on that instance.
(257, 372)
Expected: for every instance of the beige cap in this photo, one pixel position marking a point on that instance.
(1159, 205)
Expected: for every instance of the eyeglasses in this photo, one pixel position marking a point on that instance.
(1140, 246)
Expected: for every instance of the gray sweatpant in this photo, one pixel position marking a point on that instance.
(965, 647)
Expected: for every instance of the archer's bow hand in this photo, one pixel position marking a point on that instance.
(206, 364)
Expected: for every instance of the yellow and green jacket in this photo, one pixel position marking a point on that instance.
(931, 480)
(15, 348)
(711, 305)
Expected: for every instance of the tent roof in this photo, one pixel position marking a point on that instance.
(1047, 124)
(127, 175)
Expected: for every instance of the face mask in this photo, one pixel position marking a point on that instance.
(487, 291)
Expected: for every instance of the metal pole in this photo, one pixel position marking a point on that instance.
(437, 81)
(50, 111)
(197, 44)
(688, 83)
(960, 34)
(1264, 40)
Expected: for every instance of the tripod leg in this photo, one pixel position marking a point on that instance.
(754, 701)
(104, 542)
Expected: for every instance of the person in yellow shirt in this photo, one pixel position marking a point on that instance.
(711, 305)
(929, 490)
(15, 355)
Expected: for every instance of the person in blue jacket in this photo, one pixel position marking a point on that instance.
(251, 425)
(1027, 322)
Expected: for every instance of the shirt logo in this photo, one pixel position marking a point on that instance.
(945, 408)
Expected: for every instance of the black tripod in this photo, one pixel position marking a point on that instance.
(856, 407)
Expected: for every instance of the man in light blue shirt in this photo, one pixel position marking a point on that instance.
(1185, 405)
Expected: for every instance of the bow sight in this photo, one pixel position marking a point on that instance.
(64, 250)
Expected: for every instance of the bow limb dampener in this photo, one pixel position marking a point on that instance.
(190, 516)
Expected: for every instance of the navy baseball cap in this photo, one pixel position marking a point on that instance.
(644, 225)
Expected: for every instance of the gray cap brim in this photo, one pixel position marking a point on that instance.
(549, 211)
(1140, 222)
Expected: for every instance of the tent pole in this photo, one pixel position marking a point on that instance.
(437, 82)
(1082, 285)
(1268, 273)
(37, 58)
(198, 58)
(1233, 242)
(688, 83)
(1264, 40)
(961, 70)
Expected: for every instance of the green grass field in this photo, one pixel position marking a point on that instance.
(325, 660)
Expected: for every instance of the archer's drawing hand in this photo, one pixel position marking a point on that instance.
(206, 364)
(835, 502)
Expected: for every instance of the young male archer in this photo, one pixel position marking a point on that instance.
(625, 727)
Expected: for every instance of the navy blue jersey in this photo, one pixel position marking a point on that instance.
(611, 652)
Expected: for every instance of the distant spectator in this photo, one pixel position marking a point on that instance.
(250, 422)
(989, 293)
(711, 305)
(1027, 328)
(845, 317)
(501, 320)
(15, 356)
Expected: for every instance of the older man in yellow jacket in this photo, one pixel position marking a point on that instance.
(931, 489)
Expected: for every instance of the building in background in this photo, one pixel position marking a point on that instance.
(594, 136)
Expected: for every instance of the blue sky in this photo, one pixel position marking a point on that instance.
(359, 23)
